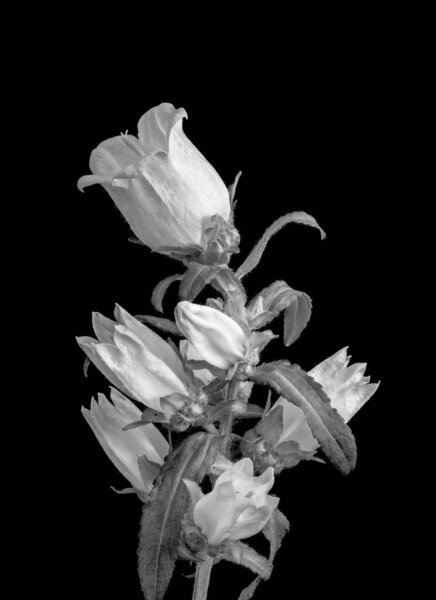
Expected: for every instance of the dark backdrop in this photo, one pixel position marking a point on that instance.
(324, 140)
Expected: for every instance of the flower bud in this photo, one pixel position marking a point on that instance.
(238, 506)
(135, 359)
(217, 338)
(124, 448)
(163, 186)
(346, 386)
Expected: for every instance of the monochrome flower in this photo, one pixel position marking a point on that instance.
(136, 360)
(216, 337)
(165, 189)
(238, 506)
(346, 386)
(125, 448)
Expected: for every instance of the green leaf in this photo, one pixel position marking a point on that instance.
(197, 276)
(256, 254)
(328, 427)
(160, 323)
(297, 316)
(161, 522)
(161, 289)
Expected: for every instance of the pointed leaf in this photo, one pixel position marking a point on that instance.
(297, 315)
(256, 254)
(162, 516)
(328, 427)
(161, 289)
(160, 323)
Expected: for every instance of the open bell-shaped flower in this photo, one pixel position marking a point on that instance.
(346, 386)
(164, 187)
(238, 507)
(137, 361)
(137, 453)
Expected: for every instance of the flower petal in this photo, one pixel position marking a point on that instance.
(153, 342)
(145, 376)
(346, 386)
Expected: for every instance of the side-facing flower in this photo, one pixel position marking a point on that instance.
(165, 189)
(346, 386)
(137, 361)
(137, 453)
(216, 337)
(238, 507)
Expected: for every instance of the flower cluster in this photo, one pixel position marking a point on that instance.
(175, 202)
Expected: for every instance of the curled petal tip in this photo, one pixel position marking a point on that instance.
(87, 180)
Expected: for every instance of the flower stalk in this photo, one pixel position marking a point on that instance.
(202, 578)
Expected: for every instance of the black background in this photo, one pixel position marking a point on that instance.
(317, 131)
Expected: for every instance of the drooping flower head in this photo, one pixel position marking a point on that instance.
(164, 187)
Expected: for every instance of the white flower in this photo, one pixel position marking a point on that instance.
(347, 389)
(216, 338)
(238, 506)
(345, 385)
(135, 359)
(124, 448)
(163, 186)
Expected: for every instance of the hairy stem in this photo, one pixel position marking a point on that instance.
(202, 577)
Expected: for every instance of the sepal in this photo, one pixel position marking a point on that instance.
(160, 290)
(255, 255)
(160, 323)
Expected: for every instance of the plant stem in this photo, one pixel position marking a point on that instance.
(202, 577)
